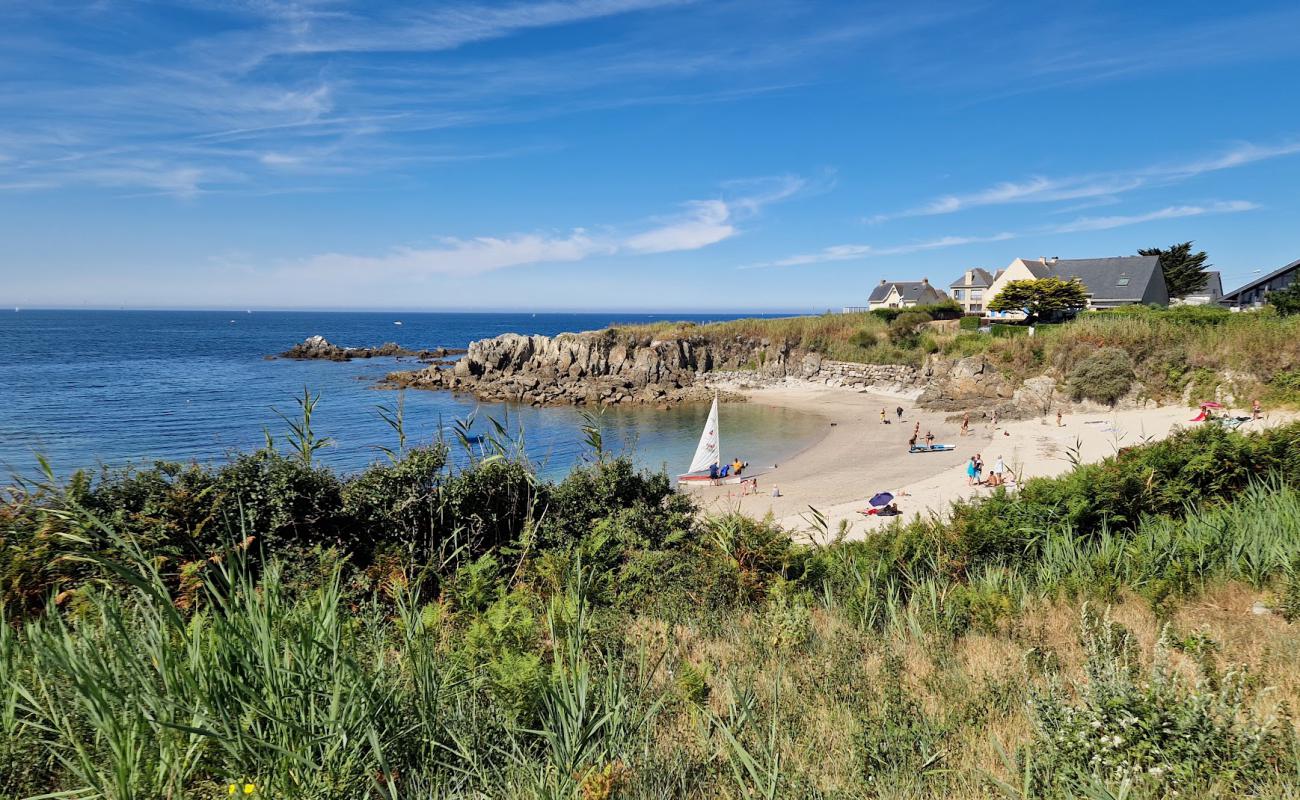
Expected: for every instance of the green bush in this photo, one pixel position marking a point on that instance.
(1152, 735)
(1003, 330)
(903, 328)
(969, 322)
(1105, 376)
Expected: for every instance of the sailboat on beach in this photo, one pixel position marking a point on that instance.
(708, 453)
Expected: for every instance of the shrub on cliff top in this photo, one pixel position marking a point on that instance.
(1104, 376)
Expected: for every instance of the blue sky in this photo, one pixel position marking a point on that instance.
(627, 154)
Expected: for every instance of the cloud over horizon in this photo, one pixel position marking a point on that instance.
(700, 224)
(849, 252)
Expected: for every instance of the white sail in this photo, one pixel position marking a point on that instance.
(709, 450)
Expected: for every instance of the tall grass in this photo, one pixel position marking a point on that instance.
(613, 648)
(1167, 346)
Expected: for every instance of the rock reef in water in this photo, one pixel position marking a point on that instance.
(318, 347)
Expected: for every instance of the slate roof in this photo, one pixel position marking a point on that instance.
(1270, 276)
(1213, 286)
(880, 292)
(1105, 278)
(979, 279)
(908, 291)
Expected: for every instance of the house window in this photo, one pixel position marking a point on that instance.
(976, 307)
(1122, 282)
(977, 294)
(956, 294)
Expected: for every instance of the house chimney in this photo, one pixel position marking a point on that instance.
(970, 276)
(1055, 259)
(883, 281)
(1042, 260)
(926, 281)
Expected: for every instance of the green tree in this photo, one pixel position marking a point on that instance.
(1286, 301)
(1184, 271)
(1040, 296)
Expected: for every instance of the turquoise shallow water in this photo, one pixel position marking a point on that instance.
(85, 388)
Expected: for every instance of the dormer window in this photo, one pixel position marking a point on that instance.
(1122, 281)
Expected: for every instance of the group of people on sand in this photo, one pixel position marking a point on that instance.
(975, 472)
(726, 470)
(884, 415)
(916, 432)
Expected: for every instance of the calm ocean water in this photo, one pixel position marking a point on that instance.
(85, 388)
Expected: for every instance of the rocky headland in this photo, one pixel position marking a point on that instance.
(318, 347)
(611, 367)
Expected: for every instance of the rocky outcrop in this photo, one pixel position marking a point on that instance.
(606, 367)
(581, 369)
(318, 347)
(966, 383)
(610, 367)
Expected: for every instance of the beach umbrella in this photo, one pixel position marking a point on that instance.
(1211, 404)
(882, 499)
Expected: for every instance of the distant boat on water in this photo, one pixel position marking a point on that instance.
(399, 322)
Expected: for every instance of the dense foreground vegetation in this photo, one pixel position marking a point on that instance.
(422, 631)
(1167, 351)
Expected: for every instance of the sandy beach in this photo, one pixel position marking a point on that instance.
(859, 456)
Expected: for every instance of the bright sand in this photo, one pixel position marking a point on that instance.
(860, 456)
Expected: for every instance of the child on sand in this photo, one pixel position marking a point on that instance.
(883, 420)
(1059, 424)
(965, 423)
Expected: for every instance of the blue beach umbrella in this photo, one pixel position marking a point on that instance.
(882, 499)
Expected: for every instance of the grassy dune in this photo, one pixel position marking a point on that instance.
(417, 631)
(1168, 349)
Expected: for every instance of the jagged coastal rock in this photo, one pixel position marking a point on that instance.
(609, 368)
(318, 347)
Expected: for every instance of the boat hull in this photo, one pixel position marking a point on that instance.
(703, 479)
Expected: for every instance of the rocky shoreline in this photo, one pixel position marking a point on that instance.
(611, 368)
(320, 348)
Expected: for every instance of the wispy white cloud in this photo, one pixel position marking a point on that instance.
(462, 257)
(1083, 224)
(319, 89)
(701, 223)
(854, 252)
(1104, 186)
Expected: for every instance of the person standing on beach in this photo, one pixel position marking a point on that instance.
(965, 423)
(929, 438)
(995, 419)
(899, 411)
(883, 417)
(979, 469)
(911, 443)
(917, 430)
(970, 471)
(1254, 408)
(999, 469)
(1059, 424)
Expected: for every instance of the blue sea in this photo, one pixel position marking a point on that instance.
(87, 389)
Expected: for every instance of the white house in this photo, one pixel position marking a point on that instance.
(971, 290)
(904, 294)
(1109, 282)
